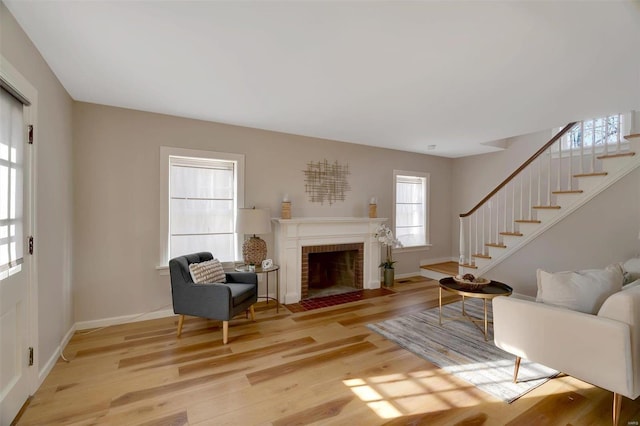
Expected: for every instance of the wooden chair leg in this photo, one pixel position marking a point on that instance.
(617, 404)
(515, 370)
(225, 331)
(252, 313)
(180, 323)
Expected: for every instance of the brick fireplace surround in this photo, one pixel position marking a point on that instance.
(292, 236)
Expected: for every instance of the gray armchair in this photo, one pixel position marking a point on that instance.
(218, 301)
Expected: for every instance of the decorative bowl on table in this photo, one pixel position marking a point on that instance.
(470, 282)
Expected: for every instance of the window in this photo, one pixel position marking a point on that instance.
(411, 214)
(597, 132)
(201, 193)
(11, 179)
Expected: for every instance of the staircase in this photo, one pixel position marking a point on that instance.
(578, 163)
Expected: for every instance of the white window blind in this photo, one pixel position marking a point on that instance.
(11, 180)
(202, 207)
(411, 208)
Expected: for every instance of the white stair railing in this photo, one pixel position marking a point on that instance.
(554, 176)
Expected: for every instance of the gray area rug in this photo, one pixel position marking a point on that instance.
(459, 348)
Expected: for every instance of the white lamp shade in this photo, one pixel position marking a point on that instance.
(253, 221)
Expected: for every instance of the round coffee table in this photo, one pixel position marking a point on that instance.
(487, 292)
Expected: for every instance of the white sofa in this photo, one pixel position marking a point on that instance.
(601, 349)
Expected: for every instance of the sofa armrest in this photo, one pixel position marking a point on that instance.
(624, 306)
(242, 277)
(203, 300)
(591, 348)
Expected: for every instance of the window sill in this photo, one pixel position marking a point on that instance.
(413, 249)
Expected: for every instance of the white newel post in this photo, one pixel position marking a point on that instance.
(293, 234)
(462, 243)
(630, 124)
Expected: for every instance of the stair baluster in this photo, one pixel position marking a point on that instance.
(516, 209)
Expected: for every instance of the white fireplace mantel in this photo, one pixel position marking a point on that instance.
(293, 234)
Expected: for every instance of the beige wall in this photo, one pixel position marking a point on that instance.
(603, 231)
(117, 231)
(107, 180)
(475, 176)
(54, 215)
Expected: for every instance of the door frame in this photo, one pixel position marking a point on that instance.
(11, 76)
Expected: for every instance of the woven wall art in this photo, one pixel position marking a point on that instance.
(325, 181)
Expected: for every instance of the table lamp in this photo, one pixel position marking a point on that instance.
(253, 221)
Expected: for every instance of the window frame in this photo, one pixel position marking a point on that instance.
(166, 153)
(15, 219)
(599, 148)
(426, 206)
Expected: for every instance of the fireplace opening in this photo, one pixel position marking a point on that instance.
(331, 269)
(332, 272)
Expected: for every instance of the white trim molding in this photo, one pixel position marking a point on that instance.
(18, 82)
(426, 177)
(107, 322)
(53, 359)
(293, 234)
(166, 153)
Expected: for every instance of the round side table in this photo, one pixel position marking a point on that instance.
(265, 271)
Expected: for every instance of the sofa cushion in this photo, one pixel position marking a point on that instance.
(207, 272)
(631, 285)
(631, 269)
(241, 292)
(583, 291)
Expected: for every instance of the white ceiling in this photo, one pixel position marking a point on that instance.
(402, 75)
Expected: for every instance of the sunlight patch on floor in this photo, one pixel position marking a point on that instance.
(384, 409)
(396, 395)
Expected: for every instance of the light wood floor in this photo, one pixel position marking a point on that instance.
(323, 367)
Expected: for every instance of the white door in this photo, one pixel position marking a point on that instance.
(15, 225)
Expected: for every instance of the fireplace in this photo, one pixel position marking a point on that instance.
(331, 268)
(296, 236)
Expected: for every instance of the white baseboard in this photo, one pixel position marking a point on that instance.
(46, 369)
(409, 275)
(106, 322)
